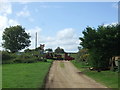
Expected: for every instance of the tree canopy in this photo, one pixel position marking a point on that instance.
(15, 38)
(102, 43)
(59, 50)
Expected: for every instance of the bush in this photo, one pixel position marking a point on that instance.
(98, 60)
(6, 56)
(26, 58)
(23, 60)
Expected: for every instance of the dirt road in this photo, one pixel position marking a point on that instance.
(63, 74)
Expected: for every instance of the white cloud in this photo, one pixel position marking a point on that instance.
(65, 34)
(12, 22)
(24, 12)
(5, 8)
(5, 22)
(114, 23)
(65, 39)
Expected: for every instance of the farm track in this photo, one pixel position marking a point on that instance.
(68, 76)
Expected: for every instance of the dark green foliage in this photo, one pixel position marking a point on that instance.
(29, 57)
(98, 59)
(37, 49)
(27, 50)
(49, 50)
(15, 38)
(6, 55)
(23, 57)
(59, 50)
(102, 44)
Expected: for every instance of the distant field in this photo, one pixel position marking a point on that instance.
(107, 78)
(30, 75)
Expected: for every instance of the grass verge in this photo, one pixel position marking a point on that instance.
(23, 75)
(107, 78)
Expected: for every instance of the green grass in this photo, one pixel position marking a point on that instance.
(62, 64)
(107, 78)
(30, 75)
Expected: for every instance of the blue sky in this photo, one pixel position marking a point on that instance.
(58, 23)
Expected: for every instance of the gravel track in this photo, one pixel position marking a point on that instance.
(68, 76)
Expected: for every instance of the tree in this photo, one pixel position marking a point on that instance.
(15, 38)
(102, 44)
(59, 50)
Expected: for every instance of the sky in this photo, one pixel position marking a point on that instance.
(57, 23)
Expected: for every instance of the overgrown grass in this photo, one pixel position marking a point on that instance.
(107, 78)
(23, 75)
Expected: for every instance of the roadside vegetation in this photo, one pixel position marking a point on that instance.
(97, 54)
(101, 45)
(107, 78)
(21, 57)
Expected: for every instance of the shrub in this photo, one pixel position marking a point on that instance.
(25, 58)
(6, 55)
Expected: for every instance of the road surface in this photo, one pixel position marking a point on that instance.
(63, 74)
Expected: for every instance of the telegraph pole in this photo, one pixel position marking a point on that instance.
(36, 40)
